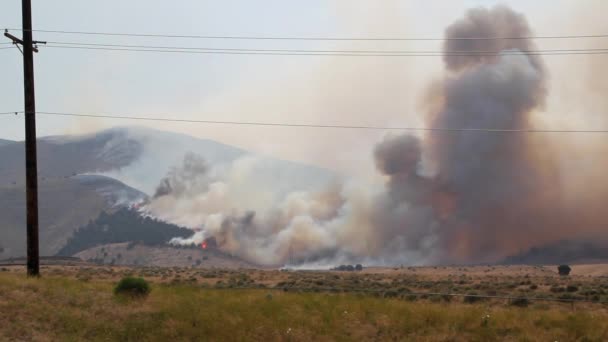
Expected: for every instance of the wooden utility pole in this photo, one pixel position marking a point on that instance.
(31, 165)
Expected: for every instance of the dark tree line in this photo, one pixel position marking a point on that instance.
(123, 225)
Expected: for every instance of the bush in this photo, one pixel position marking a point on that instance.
(472, 297)
(390, 294)
(564, 270)
(571, 288)
(521, 302)
(136, 287)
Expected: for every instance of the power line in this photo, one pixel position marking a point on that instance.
(11, 113)
(251, 53)
(276, 124)
(151, 35)
(374, 52)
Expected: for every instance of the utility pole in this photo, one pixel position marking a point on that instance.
(31, 165)
(31, 162)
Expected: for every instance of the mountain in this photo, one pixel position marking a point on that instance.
(82, 176)
(5, 142)
(563, 252)
(64, 205)
(141, 157)
(161, 151)
(66, 156)
(123, 225)
(131, 254)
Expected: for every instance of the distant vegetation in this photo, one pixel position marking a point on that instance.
(349, 268)
(131, 286)
(564, 270)
(123, 225)
(562, 252)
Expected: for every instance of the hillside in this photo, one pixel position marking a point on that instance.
(141, 157)
(162, 151)
(5, 142)
(60, 157)
(123, 225)
(137, 254)
(563, 252)
(65, 205)
(81, 176)
(123, 237)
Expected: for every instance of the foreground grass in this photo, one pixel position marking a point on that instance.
(66, 309)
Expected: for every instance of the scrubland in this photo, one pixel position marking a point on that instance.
(78, 303)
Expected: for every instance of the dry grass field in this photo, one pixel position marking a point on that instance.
(77, 303)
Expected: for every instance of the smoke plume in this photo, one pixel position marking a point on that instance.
(449, 196)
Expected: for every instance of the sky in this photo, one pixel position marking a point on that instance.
(376, 91)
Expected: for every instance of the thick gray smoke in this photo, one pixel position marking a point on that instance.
(457, 196)
(192, 171)
(485, 182)
(245, 218)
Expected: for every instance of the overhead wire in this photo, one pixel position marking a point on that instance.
(335, 126)
(371, 52)
(229, 37)
(224, 52)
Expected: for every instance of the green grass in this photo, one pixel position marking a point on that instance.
(67, 309)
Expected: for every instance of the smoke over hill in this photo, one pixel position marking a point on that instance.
(449, 196)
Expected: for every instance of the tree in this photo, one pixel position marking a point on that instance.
(564, 270)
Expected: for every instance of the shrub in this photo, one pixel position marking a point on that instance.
(571, 288)
(472, 297)
(390, 294)
(411, 298)
(136, 287)
(521, 302)
(564, 270)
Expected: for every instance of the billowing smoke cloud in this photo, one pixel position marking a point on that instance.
(484, 183)
(490, 178)
(457, 196)
(176, 182)
(245, 218)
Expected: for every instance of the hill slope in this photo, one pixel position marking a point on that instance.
(66, 156)
(129, 254)
(5, 142)
(141, 157)
(563, 252)
(65, 205)
(129, 162)
(123, 225)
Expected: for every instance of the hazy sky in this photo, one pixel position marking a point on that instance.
(293, 89)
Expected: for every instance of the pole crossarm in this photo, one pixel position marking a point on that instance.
(18, 41)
